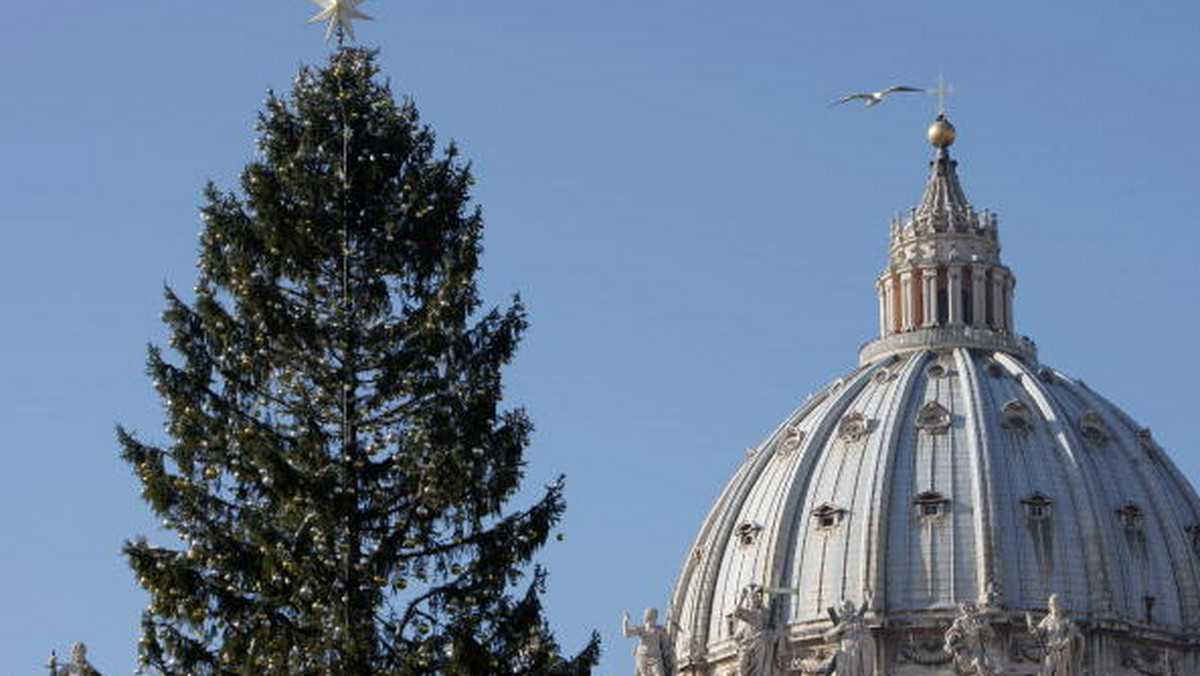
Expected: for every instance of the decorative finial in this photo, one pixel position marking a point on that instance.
(339, 14)
(941, 133)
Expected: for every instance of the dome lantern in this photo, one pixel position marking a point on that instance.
(945, 285)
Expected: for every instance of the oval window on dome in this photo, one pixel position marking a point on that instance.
(790, 442)
(747, 533)
(936, 370)
(1016, 416)
(853, 427)
(994, 369)
(1093, 428)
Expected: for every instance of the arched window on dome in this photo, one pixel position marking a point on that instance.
(1092, 427)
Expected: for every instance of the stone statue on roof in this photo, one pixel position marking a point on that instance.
(650, 657)
(752, 633)
(856, 647)
(1062, 638)
(969, 642)
(79, 665)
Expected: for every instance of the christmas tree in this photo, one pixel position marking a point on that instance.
(340, 461)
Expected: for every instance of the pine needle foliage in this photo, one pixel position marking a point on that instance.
(340, 461)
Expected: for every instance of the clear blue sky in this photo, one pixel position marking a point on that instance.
(695, 230)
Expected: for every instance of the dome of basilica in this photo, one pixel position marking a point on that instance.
(916, 516)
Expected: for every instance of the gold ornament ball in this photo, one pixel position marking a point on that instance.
(941, 133)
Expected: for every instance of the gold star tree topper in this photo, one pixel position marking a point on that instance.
(339, 14)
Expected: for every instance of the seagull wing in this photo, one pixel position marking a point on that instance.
(853, 97)
(899, 88)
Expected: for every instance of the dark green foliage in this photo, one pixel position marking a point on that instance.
(340, 460)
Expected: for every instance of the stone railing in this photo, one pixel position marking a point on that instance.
(946, 337)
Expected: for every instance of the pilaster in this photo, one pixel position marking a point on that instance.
(996, 318)
(978, 296)
(954, 295)
(929, 280)
(906, 300)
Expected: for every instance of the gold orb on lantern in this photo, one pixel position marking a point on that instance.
(941, 132)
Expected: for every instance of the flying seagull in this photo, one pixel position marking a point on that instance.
(875, 98)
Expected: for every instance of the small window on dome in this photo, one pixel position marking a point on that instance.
(1037, 507)
(994, 369)
(828, 516)
(936, 370)
(1131, 517)
(930, 505)
(1046, 375)
(882, 376)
